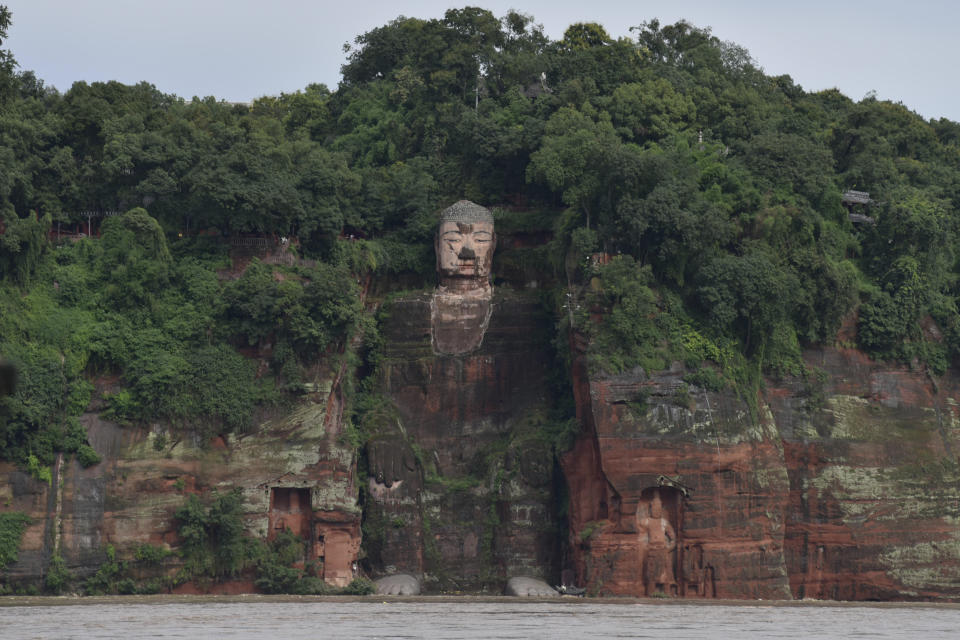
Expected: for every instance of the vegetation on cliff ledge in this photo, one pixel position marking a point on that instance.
(12, 526)
(719, 188)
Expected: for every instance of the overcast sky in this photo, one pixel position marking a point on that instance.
(237, 50)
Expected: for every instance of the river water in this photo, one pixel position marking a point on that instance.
(467, 619)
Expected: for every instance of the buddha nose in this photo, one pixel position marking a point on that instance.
(466, 253)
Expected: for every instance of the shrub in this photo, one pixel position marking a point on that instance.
(276, 578)
(628, 335)
(87, 456)
(57, 576)
(707, 378)
(360, 587)
(212, 540)
(150, 555)
(38, 471)
(12, 526)
(274, 573)
(105, 580)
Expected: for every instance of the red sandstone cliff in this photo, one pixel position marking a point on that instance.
(845, 488)
(293, 470)
(844, 485)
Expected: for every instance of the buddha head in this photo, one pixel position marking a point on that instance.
(464, 244)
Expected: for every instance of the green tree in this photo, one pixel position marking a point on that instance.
(585, 161)
(750, 294)
(136, 260)
(584, 35)
(650, 110)
(212, 538)
(7, 62)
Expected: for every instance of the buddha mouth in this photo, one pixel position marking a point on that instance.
(463, 269)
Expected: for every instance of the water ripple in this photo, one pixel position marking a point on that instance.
(470, 620)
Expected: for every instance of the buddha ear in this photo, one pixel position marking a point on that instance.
(493, 241)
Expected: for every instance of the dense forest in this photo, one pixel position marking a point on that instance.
(713, 191)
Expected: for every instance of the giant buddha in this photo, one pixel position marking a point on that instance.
(463, 376)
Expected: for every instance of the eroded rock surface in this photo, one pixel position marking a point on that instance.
(293, 470)
(844, 484)
(842, 487)
(874, 502)
(719, 475)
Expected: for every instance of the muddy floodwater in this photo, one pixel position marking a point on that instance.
(461, 618)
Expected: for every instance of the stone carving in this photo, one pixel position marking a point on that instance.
(460, 376)
(392, 463)
(399, 584)
(460, 307)
(290, 509)
(464, 244)
(697, 579)
(657, 545)
(529, 587)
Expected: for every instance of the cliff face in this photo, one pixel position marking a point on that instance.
(844, 487)
(724, 491)
(874, 509)
(293, 472)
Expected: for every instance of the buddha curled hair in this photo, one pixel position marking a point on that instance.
(467, 212)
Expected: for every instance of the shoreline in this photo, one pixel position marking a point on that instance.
(165, 599)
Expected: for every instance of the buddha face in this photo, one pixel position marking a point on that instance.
(465, 250)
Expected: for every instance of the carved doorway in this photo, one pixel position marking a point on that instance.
(290, 509)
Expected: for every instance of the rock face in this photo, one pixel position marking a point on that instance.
(844, 485)
(722, 490)
(874, 503)
(292, 470)
(842, 488)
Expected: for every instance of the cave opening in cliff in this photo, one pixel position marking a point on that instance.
(290, 509)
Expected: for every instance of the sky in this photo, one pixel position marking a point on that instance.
(239, 50)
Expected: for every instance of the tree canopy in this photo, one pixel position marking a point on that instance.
(719, 186)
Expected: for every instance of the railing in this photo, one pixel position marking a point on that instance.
(856, 197)
(859, 218)
(252, 243)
